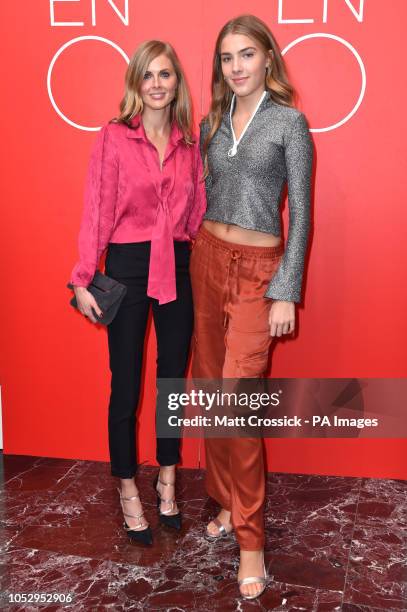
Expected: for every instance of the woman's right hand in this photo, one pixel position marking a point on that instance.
(86, 302)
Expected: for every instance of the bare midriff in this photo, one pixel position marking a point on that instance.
(240, 235)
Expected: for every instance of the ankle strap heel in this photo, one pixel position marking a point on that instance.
(166, 518)
(143, 536)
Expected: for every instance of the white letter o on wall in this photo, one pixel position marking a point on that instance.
(51, 66)
(361, 66)
(284, 51)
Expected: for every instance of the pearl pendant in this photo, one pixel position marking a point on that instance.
(232, 151)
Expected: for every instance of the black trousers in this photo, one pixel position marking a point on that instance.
(173, 322)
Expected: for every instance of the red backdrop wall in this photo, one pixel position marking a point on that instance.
(344, 62)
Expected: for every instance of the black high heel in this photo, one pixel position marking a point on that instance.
(142, 536)
(169, 520)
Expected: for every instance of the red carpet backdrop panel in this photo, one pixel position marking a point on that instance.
(63, 77)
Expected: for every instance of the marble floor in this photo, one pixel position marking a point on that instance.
(332, 543)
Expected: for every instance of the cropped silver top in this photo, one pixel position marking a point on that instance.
(245, 189)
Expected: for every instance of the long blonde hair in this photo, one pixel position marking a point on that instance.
(132, 103)
(276, 80)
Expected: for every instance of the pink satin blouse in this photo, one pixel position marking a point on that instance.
(129, 199)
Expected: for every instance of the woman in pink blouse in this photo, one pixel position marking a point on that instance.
(144, 201)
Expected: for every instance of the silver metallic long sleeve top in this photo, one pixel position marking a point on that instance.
(245, 189)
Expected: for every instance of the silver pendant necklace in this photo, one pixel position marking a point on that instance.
(233, 149)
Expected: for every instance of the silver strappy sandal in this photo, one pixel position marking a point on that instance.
(223, 532)
(252, 580)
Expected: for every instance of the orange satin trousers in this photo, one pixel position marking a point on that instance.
(232, 340)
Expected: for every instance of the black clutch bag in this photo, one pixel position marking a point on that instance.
(108, 294)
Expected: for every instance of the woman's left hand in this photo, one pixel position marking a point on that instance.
(281, 318)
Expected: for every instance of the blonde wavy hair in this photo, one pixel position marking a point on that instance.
(132, 103)
(276, 80)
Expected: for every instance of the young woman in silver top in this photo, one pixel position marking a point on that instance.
(245, 283)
